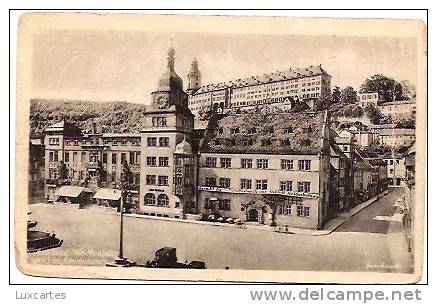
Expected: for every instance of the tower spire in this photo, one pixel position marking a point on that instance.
(171, 59)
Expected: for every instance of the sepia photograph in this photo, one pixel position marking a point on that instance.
(217, 148)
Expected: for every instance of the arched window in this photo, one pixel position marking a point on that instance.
(149, 199)
(162, 200)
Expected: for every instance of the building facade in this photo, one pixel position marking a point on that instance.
(168, 172)
(259, 172)
(397, 137)
(280, 90)
(93, 159)
(399, 109)
(395, 169)
(365, 99)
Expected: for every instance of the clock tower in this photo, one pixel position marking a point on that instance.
(170, 87)
(167, 176)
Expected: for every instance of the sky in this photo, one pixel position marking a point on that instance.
(125, 66)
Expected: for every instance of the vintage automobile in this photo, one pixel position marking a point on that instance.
(166, 258)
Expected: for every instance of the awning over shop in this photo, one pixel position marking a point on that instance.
(71, 191)
(108, 194)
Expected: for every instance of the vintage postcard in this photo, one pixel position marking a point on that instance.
(218, 148)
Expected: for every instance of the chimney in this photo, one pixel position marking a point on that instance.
(94, 128)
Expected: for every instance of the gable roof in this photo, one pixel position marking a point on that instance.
(279, 133)
(265, 78)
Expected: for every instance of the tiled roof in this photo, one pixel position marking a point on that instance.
(121, 135)
(266, 78)
(398, 102)
(281, 133)
(390, 132)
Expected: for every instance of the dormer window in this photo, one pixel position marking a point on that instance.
(235, 130)
(285, 143)
(287, 130)
(252, 131)
(266, 142)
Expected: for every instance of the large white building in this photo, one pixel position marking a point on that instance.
(279, 89)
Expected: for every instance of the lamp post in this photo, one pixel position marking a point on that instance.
(121, 261)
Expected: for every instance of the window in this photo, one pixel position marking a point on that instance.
(149, 199)
(55, 155)
(224, 204)
(210, 181)
(225, 182)
(225, 162)
(235, 130)
(74, 157)
(151, 161)
(151, 141)
(287, 130)
(67, 142)
(246, 183)
(159, 121)
(150, 179)
(124, 142)
(285, 185)
(252, 131)
(51, 156)
(67, 157)
(209, 204)
(261, 184)
(76, 142)
(123, 157)
(303, 187)
(286, 164)
(391, 161)
(164, 142)
(304, 165)
(285, 209)
(163, 161)
(131, 157)
(246, 163)
(114, 142)
(391, 171)
(162, 200)
(303, 211)
(104, 158)
(211, 162)
(162, 180)
(262, 163)
(82, 157)
(266, 142)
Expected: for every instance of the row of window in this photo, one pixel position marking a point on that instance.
(160, 201)
(54, 141)
(162, 180)
(223, 204)
(106, 141)
(163, 141)
(284, 209)
(162, 161)
(134, 157)
(247, 163)
(260, 184)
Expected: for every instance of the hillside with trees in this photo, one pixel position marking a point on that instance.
(116, 117)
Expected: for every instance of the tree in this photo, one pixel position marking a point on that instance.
(373, 113)
(336, 95)
(348, 95)
(101, 174)
(408, 90)
(274, 201)
(322, 103)
(387, 88)
(62, 173)
(300, 106)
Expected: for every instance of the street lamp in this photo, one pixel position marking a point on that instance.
(121, 261)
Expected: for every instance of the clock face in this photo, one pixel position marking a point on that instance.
(162, 101)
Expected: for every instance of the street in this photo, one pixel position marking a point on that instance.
(360, 244)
